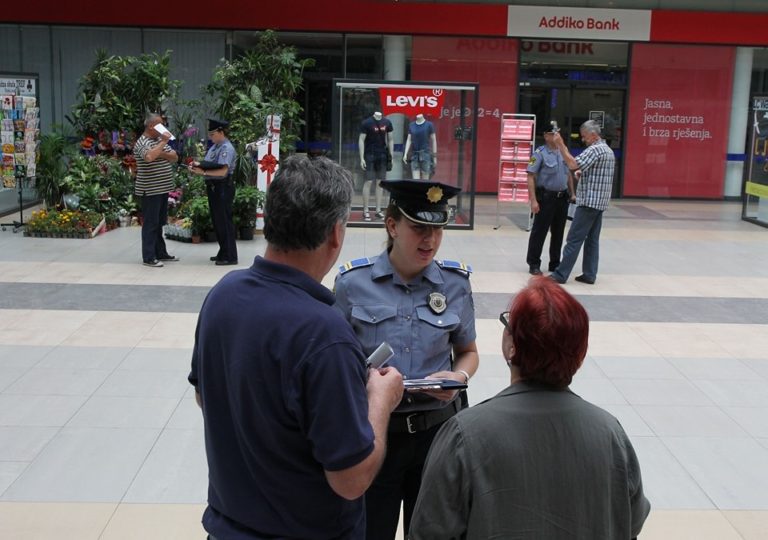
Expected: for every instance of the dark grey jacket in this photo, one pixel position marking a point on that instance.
(531, 463)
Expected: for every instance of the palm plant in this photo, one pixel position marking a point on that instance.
(261, 82)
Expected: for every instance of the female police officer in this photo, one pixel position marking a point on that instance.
(423, 308)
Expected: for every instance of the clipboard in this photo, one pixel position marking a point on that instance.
(423, 385)
(209, 165)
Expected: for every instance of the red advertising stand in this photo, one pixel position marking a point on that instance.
(518, 134)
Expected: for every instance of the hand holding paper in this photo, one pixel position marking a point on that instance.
(162, 130)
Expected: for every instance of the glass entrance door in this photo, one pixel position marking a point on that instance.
(572, 105)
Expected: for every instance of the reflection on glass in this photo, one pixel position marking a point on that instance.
(405, 131)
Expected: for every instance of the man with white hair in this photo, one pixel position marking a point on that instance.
(594, 169)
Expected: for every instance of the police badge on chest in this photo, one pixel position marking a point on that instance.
(437, 302)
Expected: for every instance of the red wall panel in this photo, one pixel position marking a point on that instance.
(338, 16)
(677, 126)
(709, 27)
(490, 62)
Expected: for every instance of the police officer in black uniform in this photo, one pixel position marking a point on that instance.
(549, 190)
(218, 167)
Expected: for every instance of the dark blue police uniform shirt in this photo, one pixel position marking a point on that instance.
(283, 382)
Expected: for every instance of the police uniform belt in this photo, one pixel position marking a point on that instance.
(422, 420)
(549, 193)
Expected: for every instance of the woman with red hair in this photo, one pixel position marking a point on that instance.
(536, 460)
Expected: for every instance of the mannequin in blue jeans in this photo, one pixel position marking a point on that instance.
(422, 143)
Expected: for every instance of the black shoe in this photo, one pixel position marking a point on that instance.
(225, 263)
(213, 259)
(553, 267)
(582, 279)
(556, 279)
(534, 270)
(154, 263)
(168, 258)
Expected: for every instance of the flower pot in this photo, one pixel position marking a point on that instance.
(246, 233)
(195, 238)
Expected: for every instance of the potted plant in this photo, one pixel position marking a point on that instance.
(248, 199)
(55, 153)
(197, 211)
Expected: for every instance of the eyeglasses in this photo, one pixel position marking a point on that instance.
(504, 319)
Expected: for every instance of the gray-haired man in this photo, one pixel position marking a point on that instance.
(594, 168)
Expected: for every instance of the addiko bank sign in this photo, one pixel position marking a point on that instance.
(579, 23)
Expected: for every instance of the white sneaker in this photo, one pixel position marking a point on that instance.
(154, 263)
(379, 215)
(367, 216)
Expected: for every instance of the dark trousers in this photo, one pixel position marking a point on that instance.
(221, 194)
(551, 218)
(154, 210)
(585, 230)
(398, 480)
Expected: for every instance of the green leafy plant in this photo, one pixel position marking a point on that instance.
(199, 214)
(118, 92)
(248, 199)
(261, 82)
(55, 153)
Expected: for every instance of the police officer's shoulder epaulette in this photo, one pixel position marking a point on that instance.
(355, 263)
(456, 266)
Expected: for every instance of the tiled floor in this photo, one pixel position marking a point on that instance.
(100, 436)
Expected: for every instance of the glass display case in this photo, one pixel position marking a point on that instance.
(399, 130)
(755, 206)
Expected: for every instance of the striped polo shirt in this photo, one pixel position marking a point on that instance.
(152, 177)
(596, 163)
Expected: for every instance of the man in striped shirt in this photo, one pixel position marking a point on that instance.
(594, 169)
(154, 181)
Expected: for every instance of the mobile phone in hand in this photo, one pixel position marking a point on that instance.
(380, 356)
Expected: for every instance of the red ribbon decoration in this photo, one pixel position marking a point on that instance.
(268, 163)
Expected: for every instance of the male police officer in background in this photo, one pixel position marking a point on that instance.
(220, 188)
(549, 188)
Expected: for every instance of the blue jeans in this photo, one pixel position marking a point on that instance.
(585, 230)
(154, 211)
(421, 160)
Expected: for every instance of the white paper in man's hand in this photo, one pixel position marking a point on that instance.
(162, 130)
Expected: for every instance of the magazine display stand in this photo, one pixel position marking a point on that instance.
(518, 132)
(19, 129)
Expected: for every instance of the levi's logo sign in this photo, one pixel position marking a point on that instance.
(410, 101)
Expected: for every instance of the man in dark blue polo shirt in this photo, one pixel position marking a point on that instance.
(295, 424)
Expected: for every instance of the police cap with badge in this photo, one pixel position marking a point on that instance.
(421, 201)
(217, 125)
(552, 127)
(213, 125)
